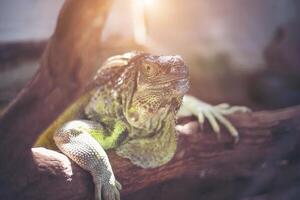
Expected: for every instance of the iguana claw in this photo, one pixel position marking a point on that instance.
(108, 192)
(214, 114)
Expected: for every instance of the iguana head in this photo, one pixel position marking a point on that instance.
(161, 82)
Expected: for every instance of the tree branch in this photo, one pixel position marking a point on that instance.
(266, 137)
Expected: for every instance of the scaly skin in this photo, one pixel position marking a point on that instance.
(132, 109)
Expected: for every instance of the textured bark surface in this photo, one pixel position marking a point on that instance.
(66, 66)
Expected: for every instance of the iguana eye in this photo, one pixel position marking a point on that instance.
(150, 69)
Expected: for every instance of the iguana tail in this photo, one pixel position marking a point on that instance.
(73, 111)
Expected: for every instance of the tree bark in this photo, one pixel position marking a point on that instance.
(66, 66)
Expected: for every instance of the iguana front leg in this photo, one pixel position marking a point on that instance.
(214, 114)
(76, 140)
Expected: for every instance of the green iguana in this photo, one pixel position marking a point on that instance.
(132, 109)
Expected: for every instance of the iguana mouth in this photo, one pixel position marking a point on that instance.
(179, 85)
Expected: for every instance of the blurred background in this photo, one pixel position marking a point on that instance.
(239, 51)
